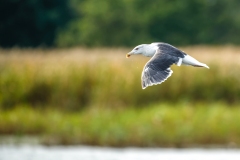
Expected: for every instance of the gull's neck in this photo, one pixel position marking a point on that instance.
(149, 50)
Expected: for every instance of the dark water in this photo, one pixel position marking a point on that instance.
(38, 152)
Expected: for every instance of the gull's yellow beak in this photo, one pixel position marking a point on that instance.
(128, 55)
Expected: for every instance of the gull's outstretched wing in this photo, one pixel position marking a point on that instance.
(157, 69)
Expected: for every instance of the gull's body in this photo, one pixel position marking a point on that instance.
(157, 69)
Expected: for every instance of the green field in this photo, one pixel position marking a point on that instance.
(94, 96)
(161, 125)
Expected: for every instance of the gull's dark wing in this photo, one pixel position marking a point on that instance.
(157, 69)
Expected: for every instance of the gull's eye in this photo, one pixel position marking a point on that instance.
(136, 49)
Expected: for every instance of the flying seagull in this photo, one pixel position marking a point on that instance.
(157, 69)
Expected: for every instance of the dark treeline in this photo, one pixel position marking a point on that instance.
(65, 23)
(32, 22)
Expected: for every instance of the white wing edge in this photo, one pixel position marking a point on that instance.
(170, 73)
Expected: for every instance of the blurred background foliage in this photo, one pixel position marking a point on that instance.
(30, 23)
(84, 78)
(80, 95)
(66, 23)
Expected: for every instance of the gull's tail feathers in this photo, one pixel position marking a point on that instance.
(188, 60)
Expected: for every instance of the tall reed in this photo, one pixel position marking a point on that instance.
(72, 79)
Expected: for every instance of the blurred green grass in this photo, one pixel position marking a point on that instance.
(94, 97)
(162, 125)
(78, 78)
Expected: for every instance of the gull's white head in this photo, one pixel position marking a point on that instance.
(137, 50)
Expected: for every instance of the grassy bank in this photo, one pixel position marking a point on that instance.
(156, 125)
(73, 79)
(94, 96)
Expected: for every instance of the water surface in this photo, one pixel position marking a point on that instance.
(38, 152)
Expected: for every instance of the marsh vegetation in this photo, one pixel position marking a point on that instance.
(94, 96)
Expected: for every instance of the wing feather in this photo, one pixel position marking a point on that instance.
(157, 69)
